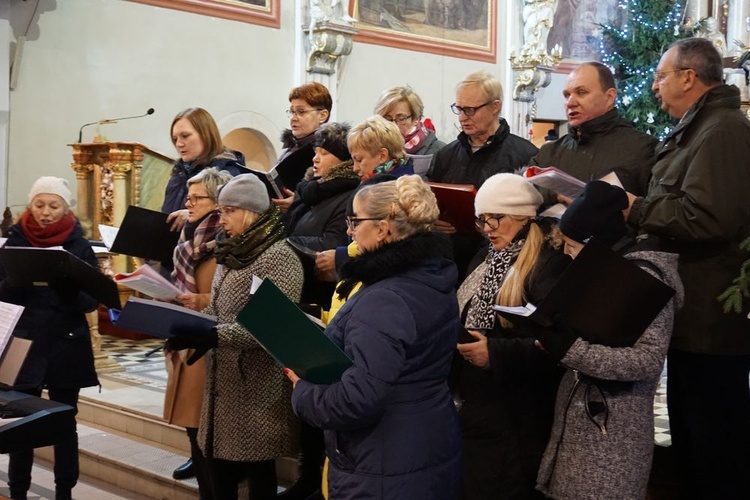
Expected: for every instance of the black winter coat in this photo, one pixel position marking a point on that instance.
(507, 411)
(317, 220)
(504, 152)
(602, 145)
(54, 319)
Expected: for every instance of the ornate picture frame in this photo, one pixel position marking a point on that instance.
(261, 12)
(467, 30)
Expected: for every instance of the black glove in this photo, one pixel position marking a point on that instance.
(555, 339)
(201, 344)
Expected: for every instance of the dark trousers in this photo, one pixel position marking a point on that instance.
(709, 419)
(226, 476)
(66, 454)
(200, 465)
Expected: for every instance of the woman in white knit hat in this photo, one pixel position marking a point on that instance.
(60, 359)
(505, 385)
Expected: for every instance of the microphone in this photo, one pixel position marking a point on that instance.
(111, 120)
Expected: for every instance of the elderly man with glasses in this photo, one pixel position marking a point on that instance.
(599, 140)
(697, 205)
(484, 147)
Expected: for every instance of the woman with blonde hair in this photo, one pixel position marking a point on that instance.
(391, 429)
(505, 385)
(403, 106)
(377, 147)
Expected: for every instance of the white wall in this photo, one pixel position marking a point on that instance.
(87, 60)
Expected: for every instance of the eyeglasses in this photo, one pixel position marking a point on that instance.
(659, 76)
(227, 211)
(353, 222)
(493, 222)
(398, 119)
(467, 110)
(300, 112)
(194, 198)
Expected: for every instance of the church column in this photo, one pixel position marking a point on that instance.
(738, 25)
(328, 38)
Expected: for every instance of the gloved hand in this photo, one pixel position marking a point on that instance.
(556, 339)
(201, 344)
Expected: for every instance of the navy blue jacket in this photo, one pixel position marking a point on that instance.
(391, 428)
(54, 318)
(176, 191)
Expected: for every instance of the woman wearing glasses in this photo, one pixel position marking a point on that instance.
(197, 140)
(603, 437)
(391, 429)
(505, 385)
(246, 420)
(309, 108)
(402, 106)
(194, 267)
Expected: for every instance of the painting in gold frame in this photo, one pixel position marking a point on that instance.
(262, 12)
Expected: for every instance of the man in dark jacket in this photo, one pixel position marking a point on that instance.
(697, 206)
(599, 140)
(484, 147)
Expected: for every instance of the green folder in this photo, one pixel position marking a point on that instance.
(292, 338)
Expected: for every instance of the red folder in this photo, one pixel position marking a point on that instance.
(456, 204)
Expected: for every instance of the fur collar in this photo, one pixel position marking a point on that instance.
(393, 258)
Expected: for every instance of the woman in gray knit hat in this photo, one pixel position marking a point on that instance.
(246, 419)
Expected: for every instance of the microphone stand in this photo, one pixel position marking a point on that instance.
(113, 120)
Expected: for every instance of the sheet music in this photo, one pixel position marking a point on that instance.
(9, 315)
(108, 234)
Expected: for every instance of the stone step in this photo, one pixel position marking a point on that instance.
(138, 424)
(130, 463)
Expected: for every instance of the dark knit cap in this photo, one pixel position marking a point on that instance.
(332, 138)
(597, 212)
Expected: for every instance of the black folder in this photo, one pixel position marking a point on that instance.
(288, 335)
(30, 265)
(145, 233)
(161, 319)
(603, 296)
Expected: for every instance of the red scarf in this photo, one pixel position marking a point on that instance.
(414, 139)
(53, 235)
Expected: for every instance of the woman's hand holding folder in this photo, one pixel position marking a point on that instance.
(201, 343)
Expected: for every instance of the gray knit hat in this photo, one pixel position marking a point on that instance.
(52, 185)
(332, 137)
(245, 191)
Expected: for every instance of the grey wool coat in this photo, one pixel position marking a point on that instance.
(247, 414)
(581, 462)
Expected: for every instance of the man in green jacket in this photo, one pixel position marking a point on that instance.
(697, 205)
(599, 141)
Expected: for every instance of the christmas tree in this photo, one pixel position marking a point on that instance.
(632, 49)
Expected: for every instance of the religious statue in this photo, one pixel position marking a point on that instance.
(710, 31)
(537, 22)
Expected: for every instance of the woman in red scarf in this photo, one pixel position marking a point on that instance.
(60, 359)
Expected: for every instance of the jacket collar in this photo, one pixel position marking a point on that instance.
(393, 258)
(721, 96)
(601, 125)
(502, 132)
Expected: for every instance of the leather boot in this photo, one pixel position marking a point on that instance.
(184, 471)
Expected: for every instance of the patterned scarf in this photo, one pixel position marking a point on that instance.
(386, 167)
(414, 139)
(241, 250)
(47, 236)
(493, 273)
(197, 243)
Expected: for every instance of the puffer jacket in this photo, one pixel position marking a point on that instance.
(391, 429)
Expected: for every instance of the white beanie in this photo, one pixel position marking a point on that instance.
(52, 185)
(507, 194)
